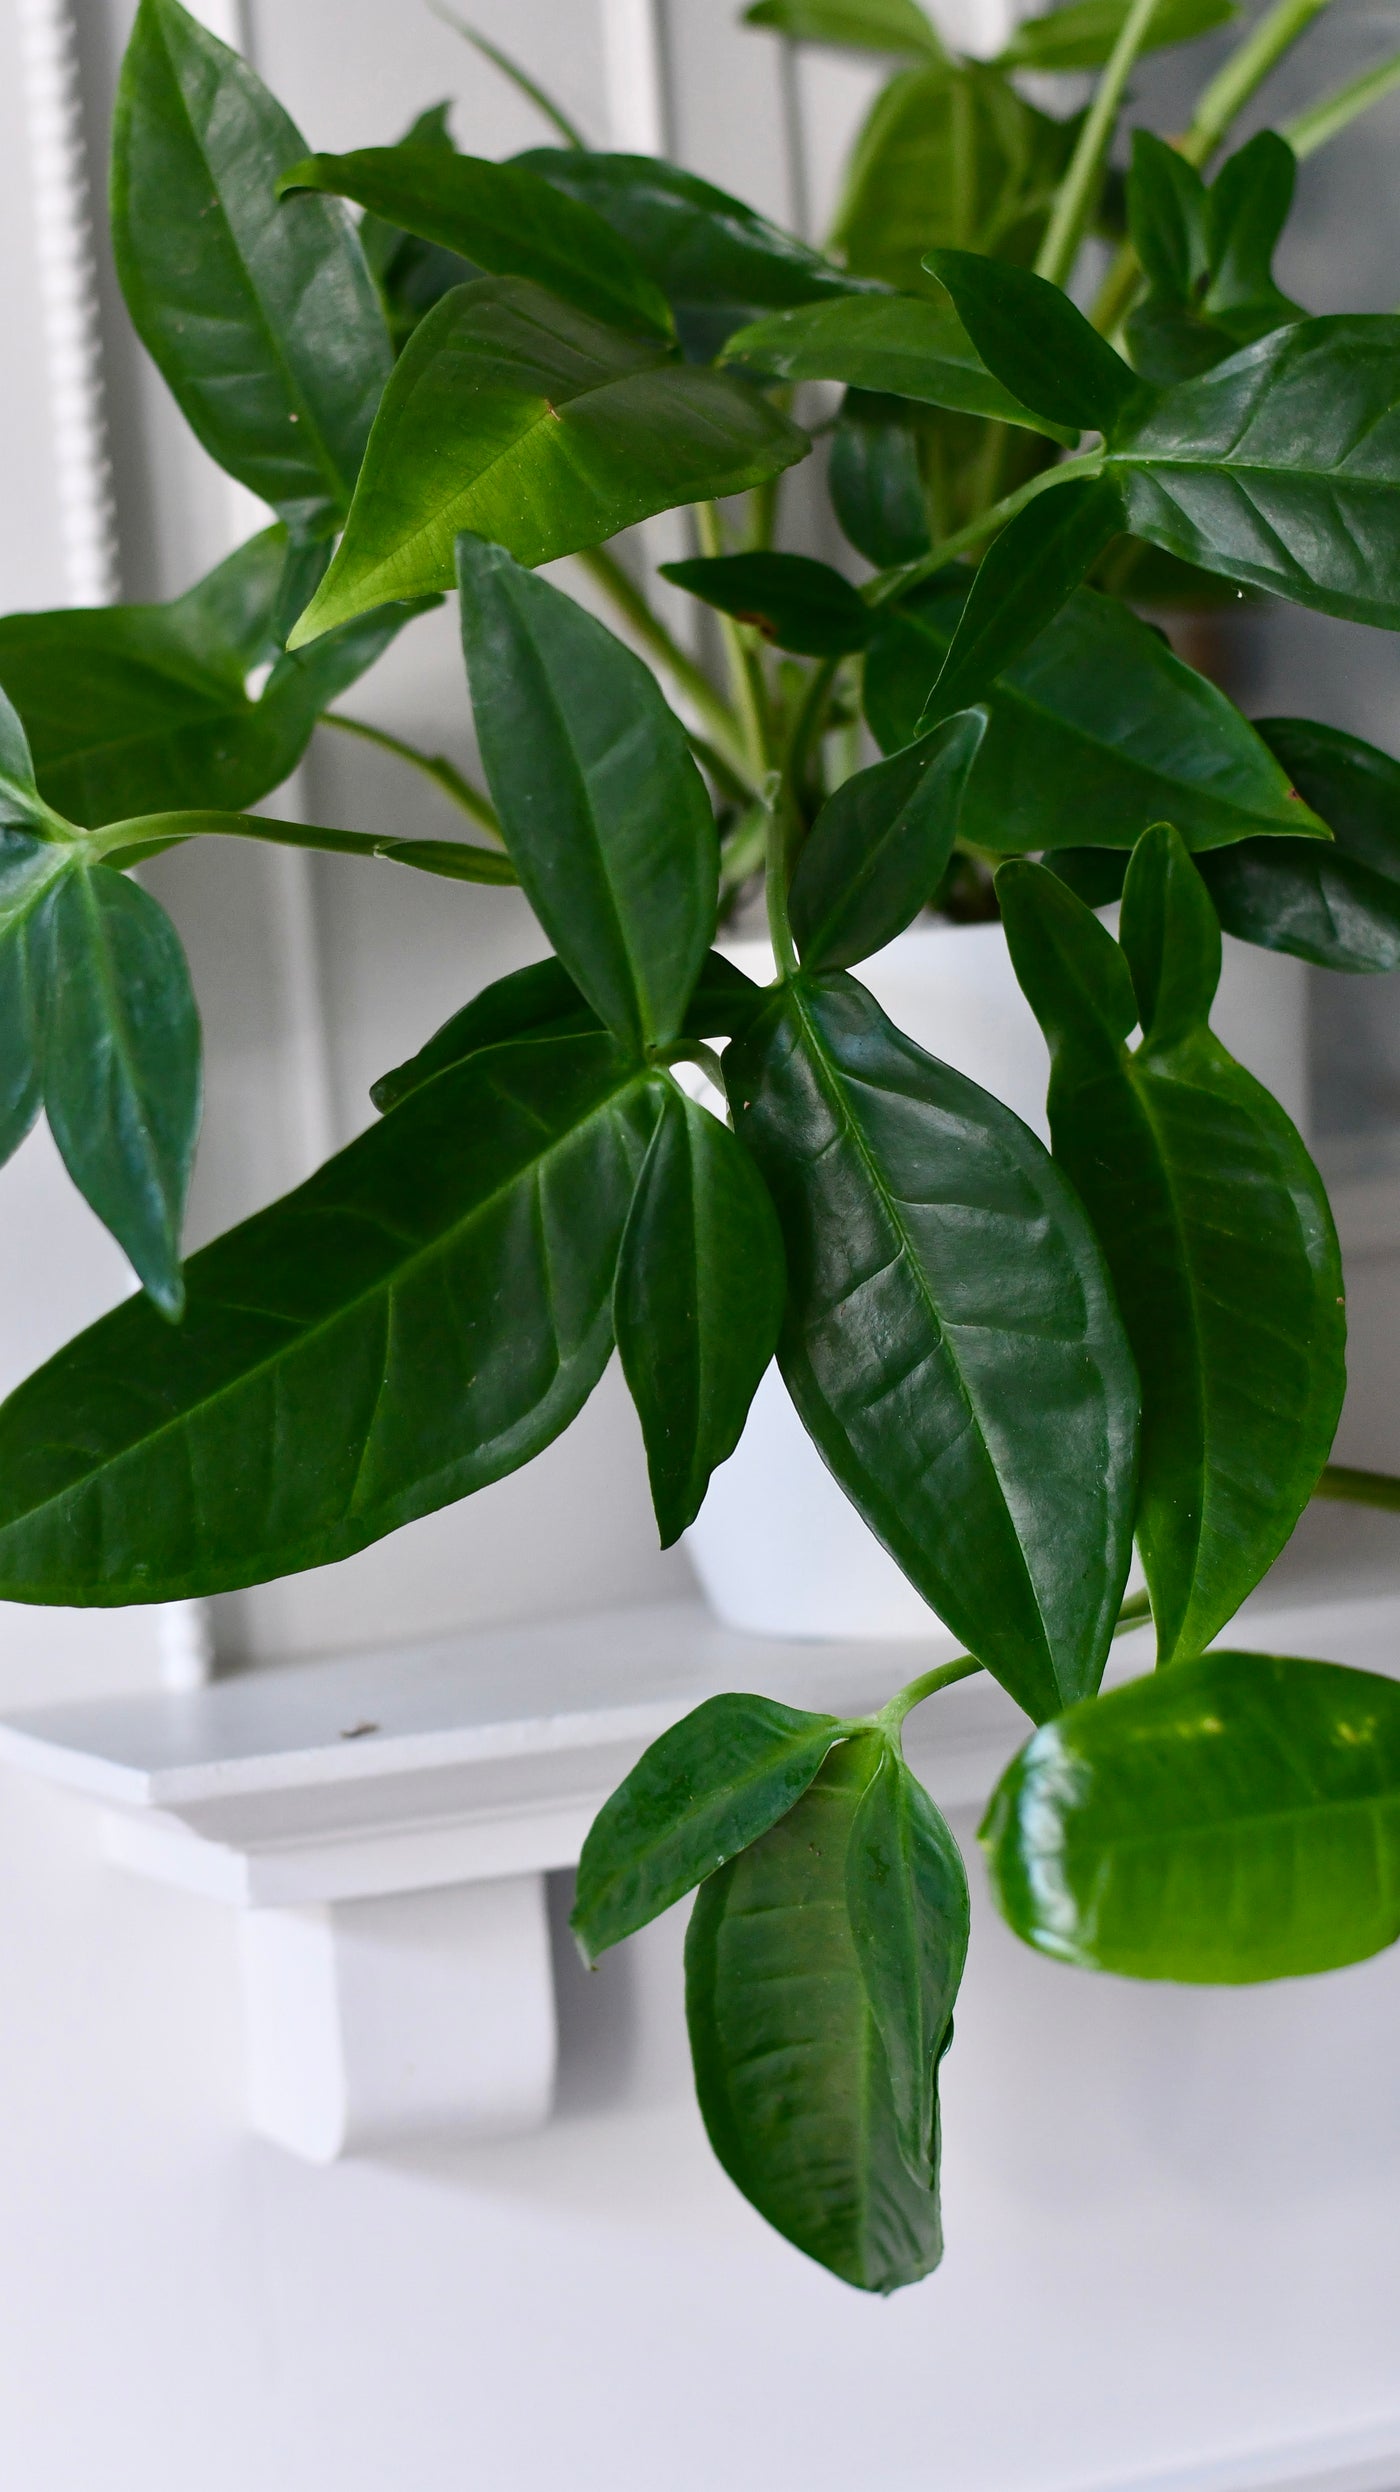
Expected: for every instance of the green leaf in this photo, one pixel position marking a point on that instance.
(542, 1001)
(1208, 254)
(21, 806)
(412, 275)
(1023, 580)
(875, 480)
(1281, 467)
(1038, 344)
(794, 602)
(880, 846)
(601, 805)
(500, 217)
(120, 1055)
(29, 867)
(1082, 35)
(862, 25)
(149, 835)
(516, 418)
(1246, 211)
(143, 709)
(1235, 1820)
(262, 318)
(892, 343)
(789, 2066)
(906, 1892)
(951, 1341)
(1096, 732)
(1167, 219)
(699, 1298)
(424, 1315)
(1337, 905)
(948, 156)
(704, 1790)
(1213, 1220)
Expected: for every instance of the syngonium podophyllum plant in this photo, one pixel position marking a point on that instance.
(1014, 1361)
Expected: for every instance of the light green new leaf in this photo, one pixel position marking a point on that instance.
(790, 2069)
(1082, 34)
(880, 845)
(1234, 1820)
(119, 1048)
(262, 317)
(521, 420)
(897, 344)
(424, 1315)
(951, 1340)
(948, 156)
(699, 1298)
(601, 804)
(906, 1892)
(860, 25)
(703, 1791)
(1213, 1220)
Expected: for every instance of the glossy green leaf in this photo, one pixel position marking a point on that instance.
(906, 1892)
(542, 1001)
(1337, 905)
(601, 804)
(1039, 345)
(703, 1791)
(1234, 1820)
(699, 1298)
(1281, 467)
(424, 1315)
(875, 480)
(263, 318)
(29, 869)
(789, 2066)
(1213, 1220)
(1082, 34)
(1166, 201)
(794, 602)
(880, 846)
(143, 709)
(951, 1341)
(502, 218)
(1246, 212)
(120, 1053)
(515, 417)
(1022, 582)
(412, 274)
(948, 156)
(1096, 732)
(861, 25)
(893, 343)
(149, 835)
(21, 806)
(1208, 254)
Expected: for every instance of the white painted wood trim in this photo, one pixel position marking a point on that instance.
(1364, 2460)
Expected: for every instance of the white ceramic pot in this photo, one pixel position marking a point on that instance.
(777, 1547)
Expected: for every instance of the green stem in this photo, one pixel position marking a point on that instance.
(947, 1674)
(1135, 1612)
(891, 584)
(1078, 192)
(1244, 72)
(694, 1051)
(1333, 113)
(435, 766)
(631, 603)
(745, 673)
(739, 785)
(775, 893)
(1359, 1488)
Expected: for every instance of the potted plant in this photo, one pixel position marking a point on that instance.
(1015, 1361)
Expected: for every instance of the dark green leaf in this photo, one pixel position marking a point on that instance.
(1246, 212)
(601, 805)
(1208, 253)
(789, 2065)
(262, 318)
(1337, 905)
(120, 1056)
(893, 343)
(1037, 343)
(515, 417)
(699, 1298)
(29, 867)
(143, 709)
(412, 275)
(21, 805)
(500, 217)
(1021, 584)
(1214, 1222)
(879, 848)
(1097, 874)
(1235, 1820)
(703, 1791)
(1167, 219)
(424, 1315)
(906, 1892)
(951, 1341)
(863, 25)
(795, 602)
(1097, 731)
(875, 480)
(1081, 35)
(1281, 467)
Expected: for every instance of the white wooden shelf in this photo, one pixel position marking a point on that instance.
(385, 1820)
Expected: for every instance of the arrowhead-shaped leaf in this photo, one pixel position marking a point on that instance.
(1039, 345)
(886, 342)
(795, 602)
